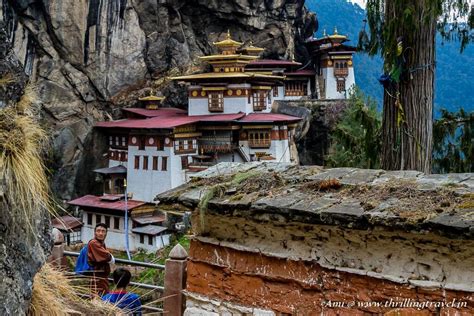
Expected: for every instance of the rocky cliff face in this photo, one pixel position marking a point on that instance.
(88, 58)
(24, 236)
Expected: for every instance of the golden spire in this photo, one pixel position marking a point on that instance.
(228, 34)
(335, 30)
(324, 33)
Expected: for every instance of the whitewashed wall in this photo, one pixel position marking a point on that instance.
(331, 84)
(146, 184)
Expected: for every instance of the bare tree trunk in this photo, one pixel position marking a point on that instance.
(407, 126)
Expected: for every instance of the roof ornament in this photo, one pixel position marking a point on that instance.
(228, 34)
(335, 30)
(324, 33)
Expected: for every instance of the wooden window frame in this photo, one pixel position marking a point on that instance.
(142, 239)
(215, 101)
(150, 240)
(341, 85)
(90, 219)
(160, 144)
(164, 163)
(155, 163)
(107, 221)
(116, 222)
(259, 99)
(145, 162)
(137, 163)
(259, 138)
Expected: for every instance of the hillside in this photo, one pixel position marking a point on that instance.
(452, 86)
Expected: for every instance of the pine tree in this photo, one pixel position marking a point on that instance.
(403, 32)
(355, 141)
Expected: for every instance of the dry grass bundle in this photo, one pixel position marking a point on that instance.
(323, 185)
(6, 79)
(54, 294)
(21, 166)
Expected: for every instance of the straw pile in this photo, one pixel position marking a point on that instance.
(55, 294)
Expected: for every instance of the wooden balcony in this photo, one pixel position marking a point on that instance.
(260, 143)
(341, 72)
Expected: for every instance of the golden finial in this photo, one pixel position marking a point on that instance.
(228, 34)
(151, 92)
(335, 30)
(324, 33)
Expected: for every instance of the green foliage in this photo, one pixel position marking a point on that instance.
(356, 138)
(453, 137)
(150, 275)
(385, 30)
(453, 84)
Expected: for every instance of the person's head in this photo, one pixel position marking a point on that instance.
(100, 231)
(121, 277)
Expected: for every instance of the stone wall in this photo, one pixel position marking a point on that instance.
(276, 238)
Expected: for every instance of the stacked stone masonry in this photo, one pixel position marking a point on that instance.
(278, 241)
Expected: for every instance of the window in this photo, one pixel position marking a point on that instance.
(160, 144)
(216, 101)
(89, 219)
(111, 140)
(150, 240)
(190, 144)
(340, 68)
(259, 139)
(145, 162)
(137, 162)
(74, 237)
(141, 143)
(107, 221)
(296, 88)
(341, 85)
(275, 91)
(142, 239)
(164, 163)
(259, 100)
(97, 219)
(181, 145)
(124, 143)
(184, 162)
(155, 163)
(116, 222)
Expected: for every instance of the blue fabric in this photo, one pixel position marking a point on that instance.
(129, 302)
(82, 266)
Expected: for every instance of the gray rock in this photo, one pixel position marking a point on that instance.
(361, 176)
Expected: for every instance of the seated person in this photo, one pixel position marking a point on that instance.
(129, 302)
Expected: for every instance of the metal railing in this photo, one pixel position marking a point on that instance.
(132, 263)
(174, 274)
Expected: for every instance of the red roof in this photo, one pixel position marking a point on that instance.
(268, 117)
(220, 117)
(98, 202)
(172, 119)
(158, 112)
(304, 72)
(166, 122)
(66, 223)
(273, 62)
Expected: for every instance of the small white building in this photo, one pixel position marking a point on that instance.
(332, 60)
(110, 210)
